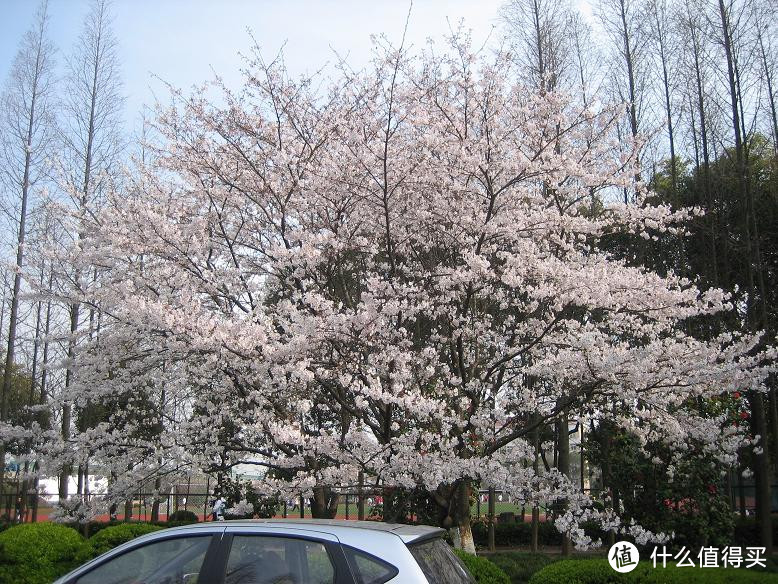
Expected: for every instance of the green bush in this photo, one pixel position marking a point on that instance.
(183, 516)
(484, 571)
(90, 528)
(37, 553)
(516, 534)
(115, 535)
(520, 566)
(600, 572)
(747, 530)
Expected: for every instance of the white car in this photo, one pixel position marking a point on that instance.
(280, 552)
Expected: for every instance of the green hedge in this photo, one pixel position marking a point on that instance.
(484, 571)
(37, 553)
(182, 516)
(516, 534)
(93, 527)
(110, 537)
(747, 530)
(519, 534)
(600, 572)
(520, 566)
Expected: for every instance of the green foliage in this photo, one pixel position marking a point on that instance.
(183, 516)
(599, 572)
(37, 553)
(22, 401)
(402, 505)
(747, 530)
(516, 534)
(693, 503)
(520, 566)
(94, 527)
(484, 571)
(110, 537)
(236, 490)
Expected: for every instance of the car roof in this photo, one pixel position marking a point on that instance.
(408, 533)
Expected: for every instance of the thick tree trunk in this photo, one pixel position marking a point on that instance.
(461, 530)
(324, 504)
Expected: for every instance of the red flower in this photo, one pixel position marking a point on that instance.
(736, 395)
(743, 415)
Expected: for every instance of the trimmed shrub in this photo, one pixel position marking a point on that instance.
(110, 537)
(516, 534)
(520, 566)
(91, 528)
(182, 517)
(600, 572)
(484, 571)
(37, 553)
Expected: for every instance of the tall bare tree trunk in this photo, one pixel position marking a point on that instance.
(93, 109)
(759, 422)
(27, 95)
(660, 32)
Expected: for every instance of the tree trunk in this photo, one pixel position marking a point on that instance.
(324, 504)
(753, 257)
(461, 530)
(80, 481)
(762, 473)
(66, 407)
(361, 497)
(492, 496)
(661, 39)
(741, 493)
(34, 496)
(710, 216)
(14, 315)
(563, 439)
(535, 510)
(155, 504)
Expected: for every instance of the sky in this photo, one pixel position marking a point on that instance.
(184, 41)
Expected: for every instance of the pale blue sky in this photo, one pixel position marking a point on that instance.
(180, 40)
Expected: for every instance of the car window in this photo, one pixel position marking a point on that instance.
(169, 561)
(439, 563)
(368, 569)
(258, 559)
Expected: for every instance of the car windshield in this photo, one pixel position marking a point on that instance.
(439, 563)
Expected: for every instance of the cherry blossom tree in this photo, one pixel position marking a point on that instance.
(397, 273)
